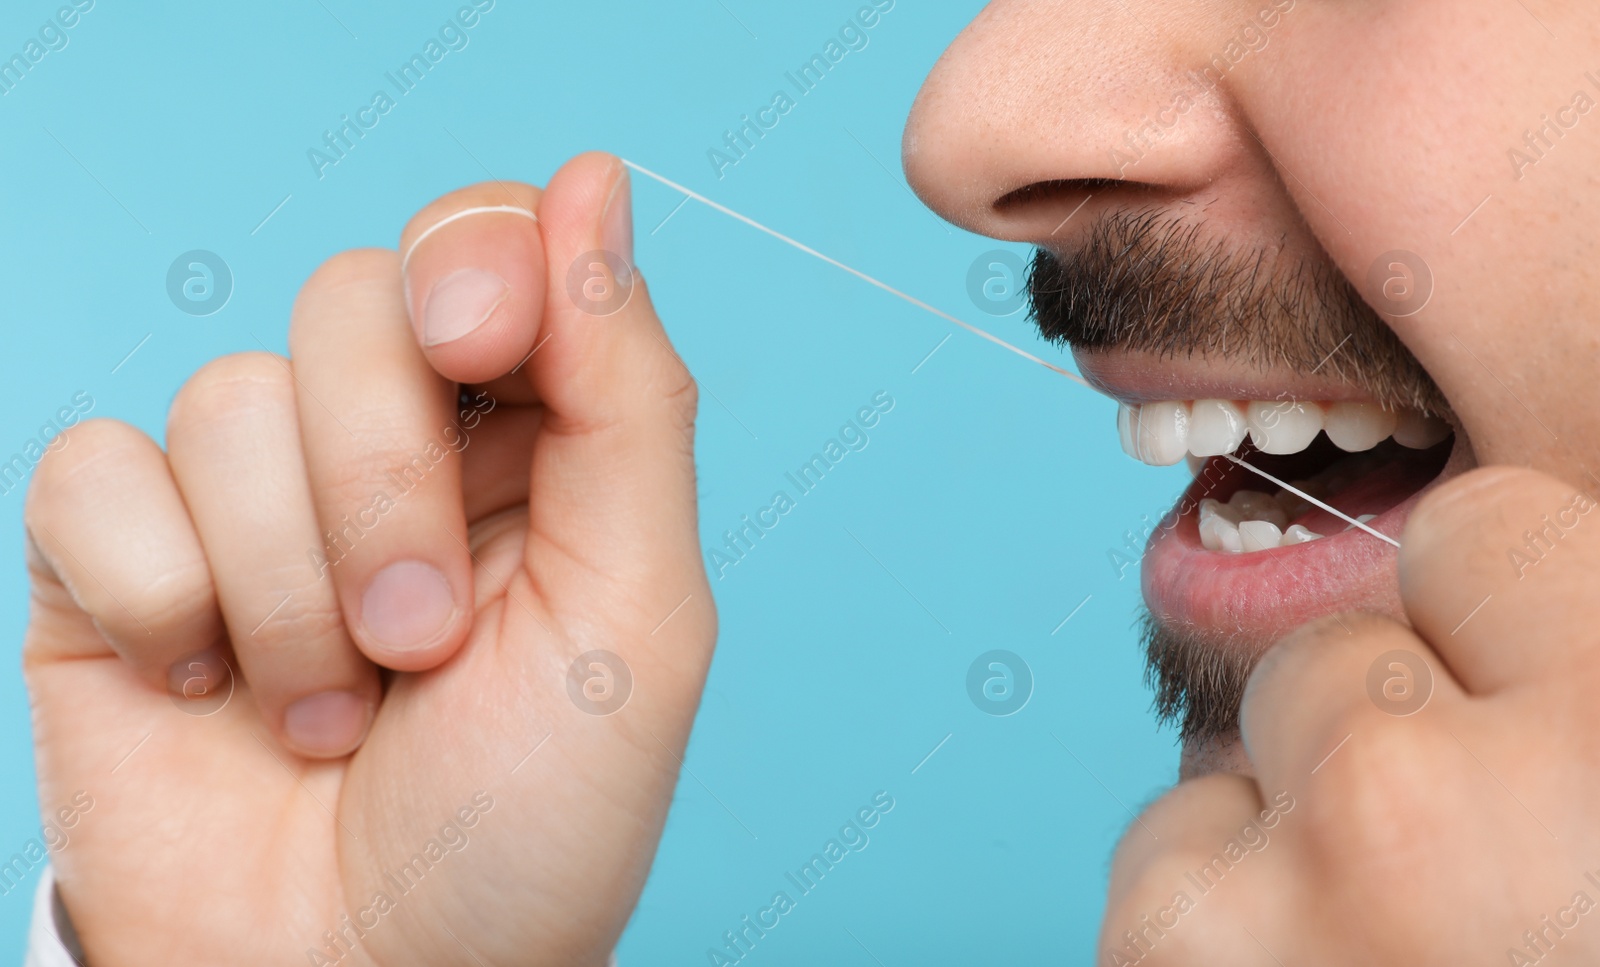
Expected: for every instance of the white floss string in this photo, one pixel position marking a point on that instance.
(1302, 494)
(405, 260)
(858, 274)
(689, 193)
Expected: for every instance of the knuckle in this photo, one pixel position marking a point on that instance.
(675, 384)
(1163, 832)
(683, 404)
(310, 614)
(229, 387)
(1154, 921)
(352, 267)
(683, 393)
(1146, 867)
(83, 444)
(1378, 797)
(179, 597)
(356, 481)
(96, 461)
(88, 451)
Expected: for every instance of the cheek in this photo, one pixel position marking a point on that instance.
(1392, 121)
(1394, 127)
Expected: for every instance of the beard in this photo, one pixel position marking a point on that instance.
(1197, 681)
(1143, 281)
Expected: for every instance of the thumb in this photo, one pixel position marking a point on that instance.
(613, 470)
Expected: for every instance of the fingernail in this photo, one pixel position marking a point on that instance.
(616, 225)
(327, 723)
(459, 303)
(406, 606)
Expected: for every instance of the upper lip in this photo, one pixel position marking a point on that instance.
(1131, 376)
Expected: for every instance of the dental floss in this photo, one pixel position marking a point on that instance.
(405, 260)
(1310, 499)
(974, 330)
(858, 274)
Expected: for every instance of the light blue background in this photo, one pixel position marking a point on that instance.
(993, 491)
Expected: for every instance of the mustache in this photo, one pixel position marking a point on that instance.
(1145, 281)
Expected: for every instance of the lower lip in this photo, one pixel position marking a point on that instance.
(1251, 599)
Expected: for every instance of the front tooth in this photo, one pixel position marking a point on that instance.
(1283, 426)
(1358, 426)
(1419, 432)
(1161, 433)
(1251, 505)
(1215, 427)
(1217, 533)
(1126, 417)
(1259, 535)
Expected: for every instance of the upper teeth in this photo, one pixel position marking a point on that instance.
(1162, 433)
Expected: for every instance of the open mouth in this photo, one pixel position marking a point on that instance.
(1243, 558)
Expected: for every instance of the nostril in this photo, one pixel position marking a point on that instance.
(1056, 209)
(1069, 191)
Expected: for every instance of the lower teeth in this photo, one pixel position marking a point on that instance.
(1252, 521)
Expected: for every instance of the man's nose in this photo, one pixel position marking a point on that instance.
(1043, 112)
